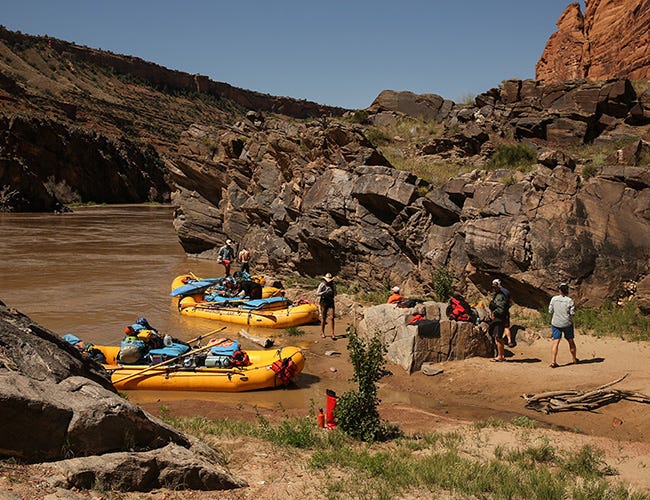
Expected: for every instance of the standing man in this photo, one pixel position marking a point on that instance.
(326, 292)
(226, 256)
(500, 309)
(244, 259)
(563, 309)
(506, 327)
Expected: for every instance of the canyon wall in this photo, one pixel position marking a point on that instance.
(610, 40)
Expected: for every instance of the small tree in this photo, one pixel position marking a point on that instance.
(356, 411)
(443, 284)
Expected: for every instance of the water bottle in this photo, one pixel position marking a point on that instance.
(321, 418)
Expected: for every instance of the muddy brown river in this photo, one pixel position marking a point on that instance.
(96, 270)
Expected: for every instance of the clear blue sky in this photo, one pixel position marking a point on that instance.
(336, 52)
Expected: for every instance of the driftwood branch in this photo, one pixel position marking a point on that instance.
(574, 400)
(263, 341)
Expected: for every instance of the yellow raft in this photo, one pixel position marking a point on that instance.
(272, 316)
(268, 369)
(182, 280)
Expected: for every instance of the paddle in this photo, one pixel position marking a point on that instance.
(194, 276)
(170, 361)
(201, 337)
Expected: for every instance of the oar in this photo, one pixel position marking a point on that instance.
(268, 315)
(194, 276)
(201, 337)
(169, 361)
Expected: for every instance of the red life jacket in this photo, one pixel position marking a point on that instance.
(285, 369)
(459, 309)
(240, 358)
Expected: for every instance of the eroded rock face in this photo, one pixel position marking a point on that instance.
(609, 41)
(47, 165)
(55, 406)
(318, 198)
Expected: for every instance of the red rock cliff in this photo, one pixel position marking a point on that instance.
(611, 40)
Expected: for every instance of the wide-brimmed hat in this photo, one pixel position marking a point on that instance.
(328, 277)
(228, 242)
(564, 287)
(395, 289)
(496, 281)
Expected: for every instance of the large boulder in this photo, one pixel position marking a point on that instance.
(424, 106)
(434, 340)
(57, 405)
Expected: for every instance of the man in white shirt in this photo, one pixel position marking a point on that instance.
(563, 309)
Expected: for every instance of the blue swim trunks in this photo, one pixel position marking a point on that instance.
(558, 331)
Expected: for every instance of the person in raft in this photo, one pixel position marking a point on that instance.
(226, 256)
(395, 297)
(326, 292)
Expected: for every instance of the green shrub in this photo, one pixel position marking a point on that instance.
(443, 284)
(588, 463)
(509, 180)
(589, 171)
(360, 116)
(611, 319)
(467, 99)
(294, 331)
(373, 297)
(608, 319)
(377, 137)
(356, 411)
(512, 156)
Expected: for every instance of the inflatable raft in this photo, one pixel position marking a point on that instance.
(267, 369)
(273, 312)
(193, 286)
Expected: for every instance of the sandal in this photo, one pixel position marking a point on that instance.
(553, 365)
(498, 360)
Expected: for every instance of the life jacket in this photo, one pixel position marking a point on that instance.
(240, 358)
(416, 319)
(458, 309)
(285, 369)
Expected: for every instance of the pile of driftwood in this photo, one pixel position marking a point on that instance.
(574, 400)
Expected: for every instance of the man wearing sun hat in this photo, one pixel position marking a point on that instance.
(326, 292)
(395, 297)
(226, 256)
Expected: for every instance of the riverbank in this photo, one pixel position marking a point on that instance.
(467, 395)
(474, 403)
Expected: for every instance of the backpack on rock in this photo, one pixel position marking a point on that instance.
(459, 309)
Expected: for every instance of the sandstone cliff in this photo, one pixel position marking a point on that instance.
(611, 40)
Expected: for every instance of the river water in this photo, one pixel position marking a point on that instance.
(98, 269)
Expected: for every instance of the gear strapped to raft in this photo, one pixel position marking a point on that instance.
(285, 370)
